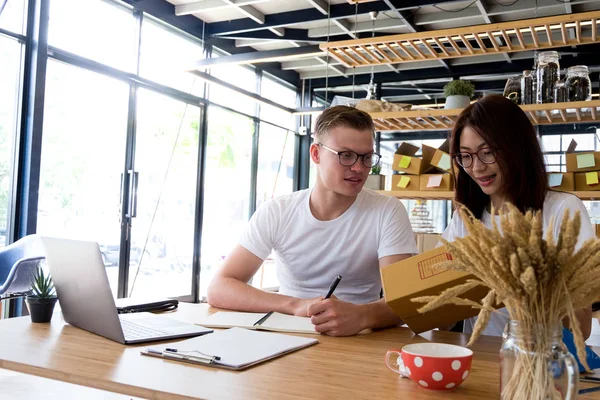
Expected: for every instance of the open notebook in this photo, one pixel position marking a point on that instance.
(235, 348)
(274, 322)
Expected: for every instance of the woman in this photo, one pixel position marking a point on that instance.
(499, 160)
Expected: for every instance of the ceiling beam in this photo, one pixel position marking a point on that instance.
(337, 11)
(248, 11)
(260, 56)
(210, 5)
(367, 26)
(345, 26)
(320, 5)
(336, 68)
(299, 35)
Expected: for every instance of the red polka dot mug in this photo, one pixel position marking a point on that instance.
(436, 366)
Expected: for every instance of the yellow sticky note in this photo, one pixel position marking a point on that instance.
(404, 162)
(591, 178)
(404, 181)
(585, 161)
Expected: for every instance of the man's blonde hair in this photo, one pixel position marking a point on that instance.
(336, 116)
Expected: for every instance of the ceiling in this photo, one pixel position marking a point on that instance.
(287, 33)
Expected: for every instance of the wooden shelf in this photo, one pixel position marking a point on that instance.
(539, 114)
(449, 195)
(478, 40)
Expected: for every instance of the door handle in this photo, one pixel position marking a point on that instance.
(133, 185)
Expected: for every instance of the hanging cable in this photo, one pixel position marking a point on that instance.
(327, 60)
(355, 34)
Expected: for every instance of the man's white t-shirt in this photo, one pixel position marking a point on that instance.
(555, 205)
(309, 253)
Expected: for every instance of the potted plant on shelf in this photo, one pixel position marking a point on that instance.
(42, 299)
(458, 93)
(375, 181)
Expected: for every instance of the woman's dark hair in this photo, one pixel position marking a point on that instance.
(508, 132)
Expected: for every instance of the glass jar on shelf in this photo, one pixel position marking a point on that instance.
(560, 92)
(512, 89)
(527, 87)
(577, 83)
(547, 74)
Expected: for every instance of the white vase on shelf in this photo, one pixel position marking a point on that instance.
(456, 101)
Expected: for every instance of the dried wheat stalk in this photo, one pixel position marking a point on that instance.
(540, 282)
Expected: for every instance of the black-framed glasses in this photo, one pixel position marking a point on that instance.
(349, 158)
(485, 155)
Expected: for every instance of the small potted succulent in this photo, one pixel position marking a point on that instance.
(458, 93)
(42, 299)
(375, 181)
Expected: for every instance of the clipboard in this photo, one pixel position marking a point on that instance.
(233, 349)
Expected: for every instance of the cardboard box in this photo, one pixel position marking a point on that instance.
(405, 160)
(561, 181)
(587, 181)
(436, 182)
(427, 241)
(441, 157)
(581, 161)
(415, 277)
(405, 182)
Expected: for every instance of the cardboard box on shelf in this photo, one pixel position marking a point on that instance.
(427, 241)
(415, 277)
(405, 160)
(436, 182)
(405, 182)
(441, 157)
(561, 181)
(587, 181)
(581, 161)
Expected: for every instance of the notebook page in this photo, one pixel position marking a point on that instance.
(288, 323)
(239, 347)
(229, 319)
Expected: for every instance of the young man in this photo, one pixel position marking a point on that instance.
(335, 228)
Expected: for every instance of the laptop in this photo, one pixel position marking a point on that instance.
(87, 302)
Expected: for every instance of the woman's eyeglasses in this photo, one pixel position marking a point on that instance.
(485, 155)
(349, 158)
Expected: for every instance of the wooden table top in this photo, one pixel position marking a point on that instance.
(350, 367)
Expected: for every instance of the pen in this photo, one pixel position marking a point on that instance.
(263, 319)
(333, 286)
(594, 389)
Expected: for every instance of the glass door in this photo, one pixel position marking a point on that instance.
(165, 179)
(85, 129)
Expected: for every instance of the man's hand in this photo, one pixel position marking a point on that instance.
(336, 318)
(300, 306)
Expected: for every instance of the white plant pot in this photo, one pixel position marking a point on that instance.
(375, 182)
(457, 102)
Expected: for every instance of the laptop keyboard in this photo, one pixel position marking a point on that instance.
(133, 331)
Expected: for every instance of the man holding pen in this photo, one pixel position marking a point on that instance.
(335, 228)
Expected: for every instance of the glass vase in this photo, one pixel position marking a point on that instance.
(536, 365)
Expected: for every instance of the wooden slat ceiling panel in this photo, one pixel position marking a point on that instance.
(530, 34)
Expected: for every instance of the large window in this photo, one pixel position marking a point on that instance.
(242, 77)
(83, 148)
(165, 56)
(10, 65)
(13, 16)
(226, 188)
(99, 30)
(280, 94)
(275, 163)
